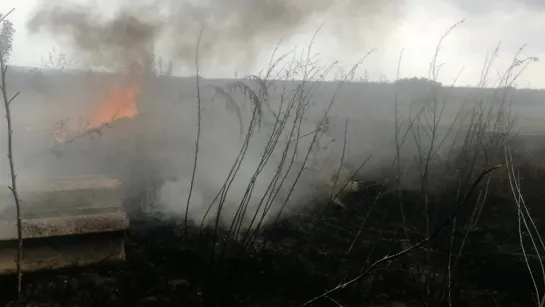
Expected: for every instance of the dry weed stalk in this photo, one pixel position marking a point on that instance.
(289, 115)
(526, 225)
(221, 196)
(398, 145)
(411, 249)
(196, 156)
(424, 126)
(489, 127)
(7, 104)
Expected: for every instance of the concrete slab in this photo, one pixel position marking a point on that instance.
(59, 217)
(62, 197)
(64, 225)
(62, 252)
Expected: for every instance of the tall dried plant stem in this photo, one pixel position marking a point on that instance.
(196, 158)
(13, 187)
(398, 144)
(333, 193)
(525, 220)
(408, 250)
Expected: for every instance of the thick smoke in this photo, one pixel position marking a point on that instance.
(234, 31)
(115, 44)
(161, 146)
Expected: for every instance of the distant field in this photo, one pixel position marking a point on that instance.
(531, 119)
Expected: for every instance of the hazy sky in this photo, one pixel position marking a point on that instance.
(414, 25)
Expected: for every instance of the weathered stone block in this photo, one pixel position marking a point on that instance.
(73, 221)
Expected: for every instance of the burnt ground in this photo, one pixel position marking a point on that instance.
(304, 256)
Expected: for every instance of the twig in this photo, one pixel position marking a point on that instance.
(407, 250)
(356, 173)
(198, 134)
(514, 184)
(6, 16)
(341, 163)
(334, 301)
(13, 188)
(304, 135)
(398, 146)
(87, 132)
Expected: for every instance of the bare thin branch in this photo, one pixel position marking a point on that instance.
(410, 249)
(199, 109)
(13, 188)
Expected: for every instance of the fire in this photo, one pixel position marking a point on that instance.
(120, 102)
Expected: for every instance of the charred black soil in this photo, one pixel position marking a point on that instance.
(303, 256)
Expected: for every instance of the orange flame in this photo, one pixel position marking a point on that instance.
(120, 102)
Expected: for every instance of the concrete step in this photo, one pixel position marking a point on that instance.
(70, 222)
(62, 197)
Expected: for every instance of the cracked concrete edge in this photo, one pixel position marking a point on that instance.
(67, 184)
(65, 226)
(62, 195)
(37, 258)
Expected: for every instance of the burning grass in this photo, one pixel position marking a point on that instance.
(120, 102)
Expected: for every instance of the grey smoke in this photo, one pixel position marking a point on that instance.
(234, 30)
(121, 41)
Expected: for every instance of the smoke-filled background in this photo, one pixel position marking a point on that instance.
(117, 117)
(277, 103)
(150, 145)
(234, 31)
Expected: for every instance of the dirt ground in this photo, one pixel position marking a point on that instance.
(298, 259)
